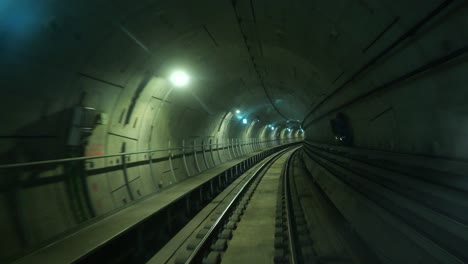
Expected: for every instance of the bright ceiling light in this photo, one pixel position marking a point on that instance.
(237, 111)
(244, 121)
(179, 78)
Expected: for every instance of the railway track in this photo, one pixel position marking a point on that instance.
(221, 229)
(205, 238)
(313, 203)
(263, 217)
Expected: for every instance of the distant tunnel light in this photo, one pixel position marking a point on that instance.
(244, 121)
(179, 78)
(272, 128)
(237, 111)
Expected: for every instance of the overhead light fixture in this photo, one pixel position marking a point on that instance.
(179, 78)
(237, 111)
(244, 121)
(272, 128)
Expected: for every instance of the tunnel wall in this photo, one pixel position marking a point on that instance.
(93, 96)
(40, 203)
(391, 107)
(407, 114)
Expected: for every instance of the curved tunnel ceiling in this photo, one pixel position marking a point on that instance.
(275, 61)
(239, 52)
(256, 50)
(288, 64)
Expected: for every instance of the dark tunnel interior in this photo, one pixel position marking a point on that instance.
(107, 104)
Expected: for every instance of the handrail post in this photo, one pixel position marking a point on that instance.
(211, 152)
(233, 148)
(219, 152)
(205, 160)
(228, 150)
(150, 159)
(185, 159)
(195, 155)
(239, 147)
(125, 172)
(171, 167)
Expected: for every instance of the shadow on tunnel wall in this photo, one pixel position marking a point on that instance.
(342, 130)
(45, 202)
(26, 192)
(42, 140)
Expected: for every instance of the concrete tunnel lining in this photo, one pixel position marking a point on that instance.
(110, 62)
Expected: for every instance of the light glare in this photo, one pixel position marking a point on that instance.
(244, 121)
(179, 78)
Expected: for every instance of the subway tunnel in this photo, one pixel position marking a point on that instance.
(121, 121)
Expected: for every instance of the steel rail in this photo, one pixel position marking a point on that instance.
(289, 208)
(197, 254)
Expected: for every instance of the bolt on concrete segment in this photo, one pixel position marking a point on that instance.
(253, 240)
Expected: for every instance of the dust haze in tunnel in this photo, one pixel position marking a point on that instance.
(104, 65)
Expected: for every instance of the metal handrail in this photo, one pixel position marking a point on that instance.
(43, 162)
